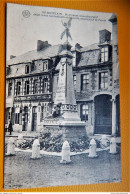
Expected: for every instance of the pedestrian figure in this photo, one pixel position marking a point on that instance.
(10, 128)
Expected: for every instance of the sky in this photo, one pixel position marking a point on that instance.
(27, 24)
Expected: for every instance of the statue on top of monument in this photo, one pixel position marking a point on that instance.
(67, 25)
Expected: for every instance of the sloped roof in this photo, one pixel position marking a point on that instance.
(29, 56)
(90, 47)
(89, 58)
(14, 72)
(89, 55)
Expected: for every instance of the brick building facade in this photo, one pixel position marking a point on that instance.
(32, 80)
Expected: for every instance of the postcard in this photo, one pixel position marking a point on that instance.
(62, 111)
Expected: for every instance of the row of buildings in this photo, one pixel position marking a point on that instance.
(32, 79)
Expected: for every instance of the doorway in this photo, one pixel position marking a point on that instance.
(34, 118)
(103, 114)
(25, 124)
(118, 115)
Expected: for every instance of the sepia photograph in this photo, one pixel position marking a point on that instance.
(62, 106)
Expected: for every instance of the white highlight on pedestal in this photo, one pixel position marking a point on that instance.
(92, 149)
(20, 139)
(65, 153)
(36, 149)
(113, 149)
(10, 147)
(104, 141)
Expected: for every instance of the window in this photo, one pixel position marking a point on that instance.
(10, 89)
(27, 69)
(20, 116)
(104, 54)
(45, 85)
(35, 88)
(25, 114)
(84, 112)
(103, 80)
(42, 113)
(26, 117)
(16, 118)
(18, 88)
(84, 81)
(8, 70)
(32, 67)
(45, 65)
(7, 115)
(27, 87)
(74, 80)
(13, 116)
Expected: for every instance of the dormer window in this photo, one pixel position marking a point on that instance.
(8, 70)
(32, 67)
(27, 69)
(45, 65)
(104, 54)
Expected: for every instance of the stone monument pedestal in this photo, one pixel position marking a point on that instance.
(65, 119)
(72, 130)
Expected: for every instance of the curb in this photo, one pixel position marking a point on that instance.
(42, 152)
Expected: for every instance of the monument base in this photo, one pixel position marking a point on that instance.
(70, 130)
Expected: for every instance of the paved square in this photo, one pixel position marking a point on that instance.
(23, 172)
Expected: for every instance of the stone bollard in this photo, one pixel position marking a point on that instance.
(20, 139)
(113, 146)
(92, 149)
(36, 149)
(65, 153)
(104, 141)
(10, 147)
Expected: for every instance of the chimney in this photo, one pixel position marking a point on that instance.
(12, 56)
(113, 18)
(104, 36)
(78, 46)
(42, 44)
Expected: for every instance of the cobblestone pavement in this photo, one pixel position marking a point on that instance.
(23, 172)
